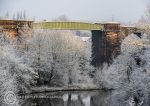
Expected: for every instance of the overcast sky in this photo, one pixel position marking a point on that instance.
(85, 10)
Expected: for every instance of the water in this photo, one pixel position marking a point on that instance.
(84, 98)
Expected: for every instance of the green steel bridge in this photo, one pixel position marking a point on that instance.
(68, 26)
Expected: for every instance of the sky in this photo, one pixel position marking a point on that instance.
(83, 10)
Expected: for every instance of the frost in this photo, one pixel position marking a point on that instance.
(59, 57)
(15, 75)
(129, 74)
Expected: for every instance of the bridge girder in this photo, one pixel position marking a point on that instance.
(68, 26)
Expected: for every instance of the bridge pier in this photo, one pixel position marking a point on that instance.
(104, 47)
(98, 42)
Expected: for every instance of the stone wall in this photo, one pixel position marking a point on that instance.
(12, 28)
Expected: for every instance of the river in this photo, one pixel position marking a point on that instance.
(74, 98)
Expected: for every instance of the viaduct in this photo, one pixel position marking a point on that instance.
(106, 37)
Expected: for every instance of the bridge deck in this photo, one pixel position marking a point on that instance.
(68, 26)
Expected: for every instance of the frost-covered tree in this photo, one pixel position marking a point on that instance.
(146, 18)
(58, 57)
(15, 75)
(129, 73)
(144, 22)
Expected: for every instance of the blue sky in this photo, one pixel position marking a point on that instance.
(85, 10)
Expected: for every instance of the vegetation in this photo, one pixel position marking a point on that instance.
(55, 58)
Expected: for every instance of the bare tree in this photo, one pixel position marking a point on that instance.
(24, 15)
(7, 15)
(21, 15)
(18, 16)
(14, 17)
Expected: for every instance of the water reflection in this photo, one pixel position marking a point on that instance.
(94, 98)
